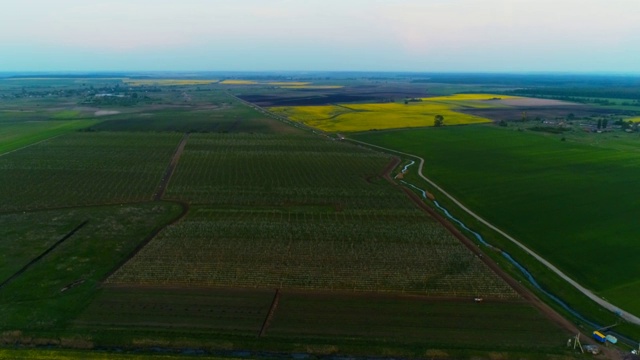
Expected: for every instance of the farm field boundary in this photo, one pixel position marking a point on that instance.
(50, 249)
(170, 169)
(609, 306)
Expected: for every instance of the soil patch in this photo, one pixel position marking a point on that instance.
(106, 112)
(532, 112)
(534, 102)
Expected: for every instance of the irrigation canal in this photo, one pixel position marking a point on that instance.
(519, 266)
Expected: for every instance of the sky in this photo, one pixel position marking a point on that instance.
(321, 35)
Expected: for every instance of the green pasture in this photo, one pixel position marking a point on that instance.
(15, 135)
(21, 241)
(54, 289)
(571, 202)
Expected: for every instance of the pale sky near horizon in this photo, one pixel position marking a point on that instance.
(305, 35)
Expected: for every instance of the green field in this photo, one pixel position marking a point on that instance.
(234, 311)
(320, 322)
(444, 325)
(262, 169)
(15, 135)
(85, 169)
(55, 288)
(571, 202)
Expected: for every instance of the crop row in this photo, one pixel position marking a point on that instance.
(267, 170)
(85, 168)
(313, 251)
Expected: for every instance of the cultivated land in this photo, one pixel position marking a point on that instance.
(378, 116)
(254, 236)
(85, 169)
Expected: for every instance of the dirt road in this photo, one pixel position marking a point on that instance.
(607, 305)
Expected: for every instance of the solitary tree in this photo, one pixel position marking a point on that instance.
(438, 120)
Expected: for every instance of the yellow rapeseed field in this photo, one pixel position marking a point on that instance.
(313, 87)
(362, 117)
(238, 82)
(634, 119)
(288, 83)
(167, 82)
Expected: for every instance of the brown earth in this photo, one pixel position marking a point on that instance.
(529, 102)
(378, 92)
(532, 112)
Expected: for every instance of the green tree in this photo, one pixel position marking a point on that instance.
(438, 120)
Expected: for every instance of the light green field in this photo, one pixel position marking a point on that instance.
(14, 135)
(378, 116)
(56, 287)
(573, 203)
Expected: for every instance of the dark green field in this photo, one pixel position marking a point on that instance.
(85, 168)
(318, 319)
(570, 201)
(235, 311)
(440, 324)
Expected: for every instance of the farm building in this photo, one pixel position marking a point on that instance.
(598, 336)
